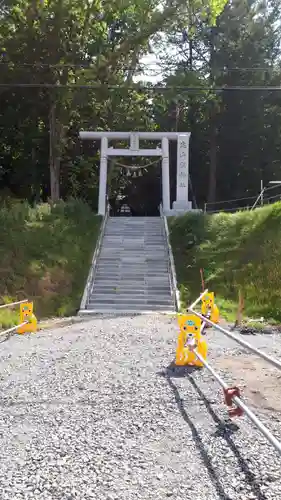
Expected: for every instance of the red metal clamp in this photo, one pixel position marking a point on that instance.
(229, 394)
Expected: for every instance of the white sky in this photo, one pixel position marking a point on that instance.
(154, 63)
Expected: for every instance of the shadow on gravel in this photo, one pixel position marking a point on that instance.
(224, 430)
(196, 436)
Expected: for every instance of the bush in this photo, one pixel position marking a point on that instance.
(238, 251)
(45, 254)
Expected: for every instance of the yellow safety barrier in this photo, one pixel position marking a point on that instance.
(27, 318)
(190, 338)
(209, 308)
(192, 329)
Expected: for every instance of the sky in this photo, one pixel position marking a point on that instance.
(153, 64)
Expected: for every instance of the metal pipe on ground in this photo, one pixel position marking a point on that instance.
(254, 419)
(270, 359)
(13, 329)
(198, 300)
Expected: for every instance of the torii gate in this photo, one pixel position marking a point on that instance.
(182, 204)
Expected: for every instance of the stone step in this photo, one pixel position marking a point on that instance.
(138, 284)
(135, 246)
(133, 300)
(121, 271)
(141, 263)
(131, 285)
(134, 220)
(117, 271)
(128, 257)
(134, 227)
(154, 231)
(132, 272)
(133, 257)
(133, 269)
(127, 273)
(129, 263)
(136, 250)
(142, 233)
(151, 280)
(138, 287)
(129, 291)
(128, 308)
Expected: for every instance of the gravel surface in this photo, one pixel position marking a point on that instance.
(94, 410)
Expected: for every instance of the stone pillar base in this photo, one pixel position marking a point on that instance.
(182, 206)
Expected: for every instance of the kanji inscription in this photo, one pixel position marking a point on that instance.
(182, 168)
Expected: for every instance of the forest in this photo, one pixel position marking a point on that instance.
(211, 68)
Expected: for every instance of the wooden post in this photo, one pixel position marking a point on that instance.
(241, 305)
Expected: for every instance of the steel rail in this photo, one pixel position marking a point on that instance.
(11, 304)
(270, 359)
(11, 330)
(254, 419)
(92, 271)
(198, 300)
(171, 260)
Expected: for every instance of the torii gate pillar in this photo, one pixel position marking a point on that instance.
(181, 204)
(103, 176)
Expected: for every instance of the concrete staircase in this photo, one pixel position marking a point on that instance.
(132, 272)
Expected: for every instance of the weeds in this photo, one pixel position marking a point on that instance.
(45, 254)
(236, 251)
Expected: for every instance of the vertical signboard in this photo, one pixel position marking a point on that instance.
(134, 142)
(182, 168)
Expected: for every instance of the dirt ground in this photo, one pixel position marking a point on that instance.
(260, 383)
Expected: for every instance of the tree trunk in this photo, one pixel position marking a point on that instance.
(213, 128)
(54, 156)
(213, 158)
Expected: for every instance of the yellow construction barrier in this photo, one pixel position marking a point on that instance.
(209, 308)
(28, 321)
(190, 338)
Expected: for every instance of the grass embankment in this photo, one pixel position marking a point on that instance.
(45, 254)
(240, 251)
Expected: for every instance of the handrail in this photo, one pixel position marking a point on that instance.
(172, 273)
(91, 275)
(258, 198)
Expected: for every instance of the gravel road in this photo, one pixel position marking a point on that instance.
(93, 410)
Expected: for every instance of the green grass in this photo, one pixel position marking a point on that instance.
(240, 251)
(8, 317)
(45, 254)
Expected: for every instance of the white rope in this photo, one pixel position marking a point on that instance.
(136, 167)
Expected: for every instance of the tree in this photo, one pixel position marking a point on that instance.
(233, 143)
(84, 78)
